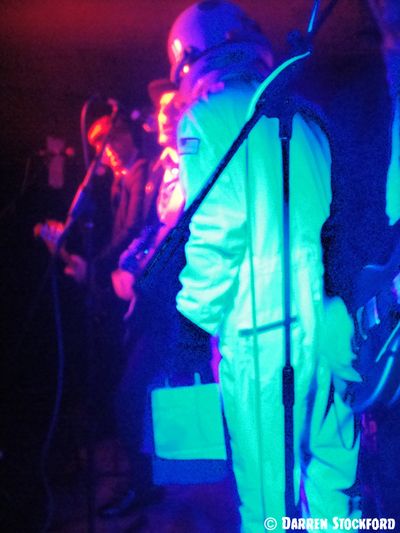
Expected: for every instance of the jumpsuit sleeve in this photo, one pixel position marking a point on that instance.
(216, 245)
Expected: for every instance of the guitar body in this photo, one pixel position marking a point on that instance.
(377, 335)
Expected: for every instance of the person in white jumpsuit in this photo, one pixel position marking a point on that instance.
(232, 282)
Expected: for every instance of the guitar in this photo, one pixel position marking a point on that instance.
(376, 318)
(106, 306)
(51, 232)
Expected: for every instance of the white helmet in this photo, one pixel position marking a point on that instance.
(209, 30)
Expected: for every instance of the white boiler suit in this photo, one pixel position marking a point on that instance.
(216, 295)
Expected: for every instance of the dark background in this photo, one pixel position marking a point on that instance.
(56, 54)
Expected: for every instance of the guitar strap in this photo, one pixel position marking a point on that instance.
(347, 398)
(331, 399)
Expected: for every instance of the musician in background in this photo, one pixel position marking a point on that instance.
(150, 327)
(127, 195)
(164, 213)
(117, 206)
